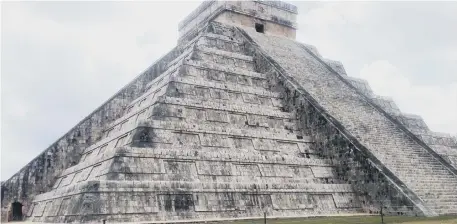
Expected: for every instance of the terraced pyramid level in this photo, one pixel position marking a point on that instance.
(209, 139)
(233, 123)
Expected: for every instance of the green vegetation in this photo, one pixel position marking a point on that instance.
(356, 220)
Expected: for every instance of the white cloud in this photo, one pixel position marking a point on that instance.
(450, 55)
(419, 48)
(436, 104)
(319, 24)
(330, 14)
(58, 66)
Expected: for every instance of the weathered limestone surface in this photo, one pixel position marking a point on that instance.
(209, 139)
(39, 175)
(278, 18)
(232, 123)
(418, 167)
(443, 144)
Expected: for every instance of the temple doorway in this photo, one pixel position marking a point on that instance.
(17, 211)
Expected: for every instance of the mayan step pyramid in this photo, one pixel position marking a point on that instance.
(240, 119)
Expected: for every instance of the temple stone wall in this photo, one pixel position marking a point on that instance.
(279, 18)
(208, 139)
(354, 166)
(366, 123)
(270, 28)
(236, 122)
(41, 173)
(442, 143)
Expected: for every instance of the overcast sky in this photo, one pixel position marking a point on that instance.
(61, 60)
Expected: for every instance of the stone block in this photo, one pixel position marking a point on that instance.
(286, 201)
(214, 168)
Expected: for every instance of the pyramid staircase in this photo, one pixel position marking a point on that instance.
(234, 122)
(207, 140)
(210, 139)
(397, 147)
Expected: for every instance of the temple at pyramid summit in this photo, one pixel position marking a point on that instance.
(238, 120)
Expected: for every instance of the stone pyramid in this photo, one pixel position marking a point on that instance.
(237, 120)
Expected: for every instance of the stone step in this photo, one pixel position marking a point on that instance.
(196, 187)
(212, 130)
(406, 158)
(139, 174)
(410, 168)
(250, 113)
(192, 85)
(221, 42)
(442, 203)
(438, 179)
(418, 161)
(229, 55)
(223, 57)
(438, 173)
(426, 175)
(223, 31)
(227, 38)
(438, 192)
(432, 183)
(151, 88)
(418, 152)
(409, 173)
(217, 89)
(186, 53)
(443, 207)
(446, 209)
(446, 212)
(246, 156)
(440, 200)
(407, 165)
(210, 73)
(225, 119)
(415, 160)
(409, 155)
(217, 104)
(218, 67)
(444, 184)
(427, 197)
